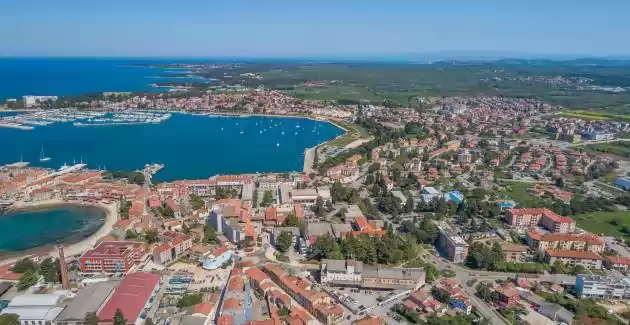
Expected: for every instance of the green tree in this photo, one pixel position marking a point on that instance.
(27, 280)
(151, 236)
(268, 199)
(119, 318)
(196, 202)
(560, 182)
(166, 211)
(190, 300)
(283, 243)
(441, 295)
(50, 270)
(185, 228)
(558, 267)
(24, 265)
(148, 321)
(319, 207)
(210, 235)
(131, 234)
(291, 221)
(284, 311)
(9, 319)
(409, 205)
(123, 209)
(324, 246)
(132, 177)
(91, 318)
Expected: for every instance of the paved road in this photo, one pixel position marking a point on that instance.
(484, 309)
(462, 276)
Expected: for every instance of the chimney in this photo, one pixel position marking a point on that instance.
(64, 268)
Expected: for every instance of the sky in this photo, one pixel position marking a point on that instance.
(324, 28)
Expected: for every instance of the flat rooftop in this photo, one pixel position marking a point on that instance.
(89, 299)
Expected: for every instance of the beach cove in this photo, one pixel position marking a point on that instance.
(37, 227)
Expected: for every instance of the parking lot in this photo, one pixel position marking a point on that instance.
(361, 302)
(534, 318)
(201, 278)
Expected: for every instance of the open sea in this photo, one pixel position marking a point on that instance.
(24, 230)
(76, 76)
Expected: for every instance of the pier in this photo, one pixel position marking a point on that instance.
(309, 159)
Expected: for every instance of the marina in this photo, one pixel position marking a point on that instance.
(31, 120)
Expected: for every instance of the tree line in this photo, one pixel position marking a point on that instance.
(49, 269)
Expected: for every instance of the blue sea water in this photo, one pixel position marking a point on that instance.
(76, 76)
(24, 230)
(190, 146)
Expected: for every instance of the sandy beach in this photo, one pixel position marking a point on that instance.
(111, 216)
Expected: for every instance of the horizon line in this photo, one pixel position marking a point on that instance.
(427, 56)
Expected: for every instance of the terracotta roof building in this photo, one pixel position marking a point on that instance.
(557, 241)
(532, 217)
(112, 257)
(131, 297)
(588, 260)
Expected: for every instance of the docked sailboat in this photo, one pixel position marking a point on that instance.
(42, 157)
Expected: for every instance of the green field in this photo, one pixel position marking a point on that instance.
(334, 92)
(595, 115)
(608, 223)
(620, 148)
(586, 117)
(401, 84)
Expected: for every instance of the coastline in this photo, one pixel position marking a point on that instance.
(70, 248)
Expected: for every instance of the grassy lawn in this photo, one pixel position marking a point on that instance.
(608, 223)
(355, 132)
(418, 262)
(519, 192)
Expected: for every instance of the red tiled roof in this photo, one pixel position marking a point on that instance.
(267, 285)
(574, 254)
(249, 230)
(540, 212)
(236, 283)
(112, 249)
(299, 211)
(362, 222)
(203, 308)
(619, 260)
(275, 269)
(507, 291)
(122, 224)
(232, 303)
(164, 247)
(217, 252)
(587, 238)
(256, 274)
(369, 320)
(271, 214)
(130, 297)
(225, 320)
